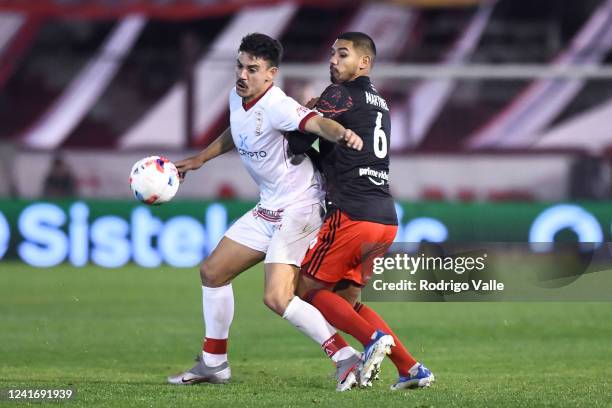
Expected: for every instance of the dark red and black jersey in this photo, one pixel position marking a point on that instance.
(358, 181)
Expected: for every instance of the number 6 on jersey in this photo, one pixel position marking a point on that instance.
(380, 138)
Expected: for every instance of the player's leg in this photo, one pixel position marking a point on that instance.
(336, 256)
(412, 374)
(336, 252)
(402, 359)
(228, 260)
(335, 309)
(279, 286)
(280, 297)
(287, 248)
(342, 315)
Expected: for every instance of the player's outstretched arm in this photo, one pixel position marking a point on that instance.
(224, 143)
(333, 131)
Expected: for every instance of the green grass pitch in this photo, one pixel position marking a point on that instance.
(114, 336)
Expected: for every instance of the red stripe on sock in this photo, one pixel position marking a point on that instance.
(215, 346)
(333, 344)
(400, 356)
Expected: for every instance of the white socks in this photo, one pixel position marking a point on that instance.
(344, 353)
(214, 360)
(218, 307)
(311, 322)
(308, 320)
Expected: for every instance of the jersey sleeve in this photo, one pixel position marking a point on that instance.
(287, 115)
(334, 101)
(299, 142)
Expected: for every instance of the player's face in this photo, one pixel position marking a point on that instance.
(253, 76)
(345, 63)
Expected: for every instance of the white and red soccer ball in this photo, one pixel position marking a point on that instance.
(154, 180)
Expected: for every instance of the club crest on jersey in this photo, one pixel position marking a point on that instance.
(302, 111)
(258, 123)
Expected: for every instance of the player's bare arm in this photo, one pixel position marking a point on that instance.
(221, 145)
(312, 103)
(334, 132)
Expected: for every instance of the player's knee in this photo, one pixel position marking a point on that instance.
(277, 302)
(349, 297)
(300, 292)
(349, 291)
(303, 289)
(210, 276)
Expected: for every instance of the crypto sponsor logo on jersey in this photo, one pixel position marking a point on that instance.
(244, 151)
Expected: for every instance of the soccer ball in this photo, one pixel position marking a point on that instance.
(154, 180)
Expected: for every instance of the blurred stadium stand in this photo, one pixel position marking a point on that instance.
(491, 100)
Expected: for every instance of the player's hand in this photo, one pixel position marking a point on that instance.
(350, 139)
(183, 166)
(312, 103)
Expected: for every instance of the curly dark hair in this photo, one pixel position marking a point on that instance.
(262, 46)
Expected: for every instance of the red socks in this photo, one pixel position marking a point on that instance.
(402, 359)
(360, 322)
(340, 314)
(215, 346)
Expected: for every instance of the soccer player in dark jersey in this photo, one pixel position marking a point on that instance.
(360, 210)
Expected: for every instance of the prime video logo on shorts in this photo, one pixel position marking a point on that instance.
(50, 235)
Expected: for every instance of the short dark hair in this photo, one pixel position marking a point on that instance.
(262, 46)
(361, 41)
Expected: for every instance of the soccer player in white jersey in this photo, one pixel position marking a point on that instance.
(282, 225)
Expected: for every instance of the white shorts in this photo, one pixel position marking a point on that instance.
(283, 235)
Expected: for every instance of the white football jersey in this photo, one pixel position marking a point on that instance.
(257, 129)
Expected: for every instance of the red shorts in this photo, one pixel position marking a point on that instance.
(344, 249)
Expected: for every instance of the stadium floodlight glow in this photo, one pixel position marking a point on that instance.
(5, 235)
(560, 217)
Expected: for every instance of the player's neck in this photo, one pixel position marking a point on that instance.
(362, 74)
(249, 101)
